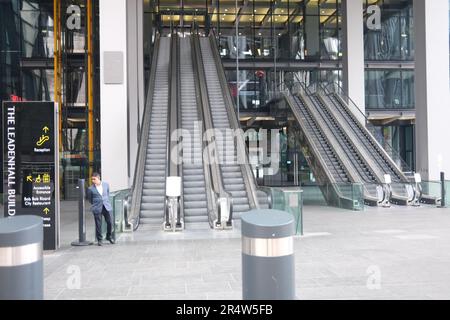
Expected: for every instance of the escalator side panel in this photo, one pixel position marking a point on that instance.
(154, 175)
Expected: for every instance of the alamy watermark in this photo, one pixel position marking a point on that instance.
(374, 279)
(227, 147)
(74, 280)
(373, 18)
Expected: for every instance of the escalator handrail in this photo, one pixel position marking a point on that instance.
(308, 93)
(289, 94)
(212, 195)
(249, 178)
(289, 99)
(138, 181)
(213, 163)
(373, 161)
(373, 164)
(317, 153)
(365, 127)
(175, 123)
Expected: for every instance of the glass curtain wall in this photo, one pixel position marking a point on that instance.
(401, 138)
(393, 40)
(389, 89)
(268, 31)
(282, 30)
(27, 73)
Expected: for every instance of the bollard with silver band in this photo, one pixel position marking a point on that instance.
(443, 195)
(21, 258)
(268, 266)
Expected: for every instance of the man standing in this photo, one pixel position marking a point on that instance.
(98, 196)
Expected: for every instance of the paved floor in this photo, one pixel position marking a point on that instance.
(397, 253)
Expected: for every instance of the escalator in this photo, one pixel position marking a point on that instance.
(188, 94)
(236, 174)
(329, 158)
(231, 171)
(195, 201)
(403, 192)
(152, 200)
(358, 163)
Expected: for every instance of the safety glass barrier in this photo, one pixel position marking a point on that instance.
(345, 196)
(289, 200)
(350, 196)
(119, 203)
(335, 92)
(447, 193)
(431, 188)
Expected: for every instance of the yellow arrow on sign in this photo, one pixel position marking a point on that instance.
(46, 129)
(46, 210)
(30, 179)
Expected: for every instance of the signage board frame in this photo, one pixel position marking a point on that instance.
(27, 188)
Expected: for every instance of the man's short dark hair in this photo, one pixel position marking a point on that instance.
(96, 175)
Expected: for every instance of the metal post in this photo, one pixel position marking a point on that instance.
(81, 217)
(443, 190)
(268, 265)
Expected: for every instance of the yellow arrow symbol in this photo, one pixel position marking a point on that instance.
(46, 129)
(29, 179)
(46, 210)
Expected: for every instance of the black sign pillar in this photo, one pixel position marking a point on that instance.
(31, 164)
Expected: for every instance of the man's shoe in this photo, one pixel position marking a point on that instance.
(100, 243)
(111, 240)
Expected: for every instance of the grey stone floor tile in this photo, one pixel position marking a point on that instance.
(224, 296)
(210, 287)
(158, 289)
(331, 263)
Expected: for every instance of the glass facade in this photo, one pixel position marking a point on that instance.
(389, 38)
(271, 32)
(393, 38)
(27, 69)
(25, 33)
(273, 40)
(287, 29)
(401, 139)
(389, 89)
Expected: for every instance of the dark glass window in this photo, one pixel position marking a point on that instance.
(394, 40)
(389, 89)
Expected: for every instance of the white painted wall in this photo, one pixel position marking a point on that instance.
(431, 24)
(353, 51)
(113, 97)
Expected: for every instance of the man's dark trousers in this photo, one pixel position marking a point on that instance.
(98, 224)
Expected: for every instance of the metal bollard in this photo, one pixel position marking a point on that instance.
(21, 258)
(443, 195)
(268, 265)
(81, 217)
